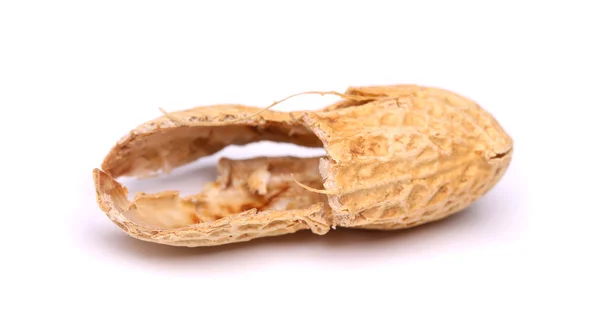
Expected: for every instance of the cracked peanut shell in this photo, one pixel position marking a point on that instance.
(397, 156)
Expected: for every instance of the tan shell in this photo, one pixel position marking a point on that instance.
(397, 156)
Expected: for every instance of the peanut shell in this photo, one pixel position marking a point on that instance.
(397, 156)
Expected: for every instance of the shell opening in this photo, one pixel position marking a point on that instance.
(261, 184)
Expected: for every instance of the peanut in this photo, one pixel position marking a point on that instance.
(397, 156)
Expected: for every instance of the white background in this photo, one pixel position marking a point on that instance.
(76, 76)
